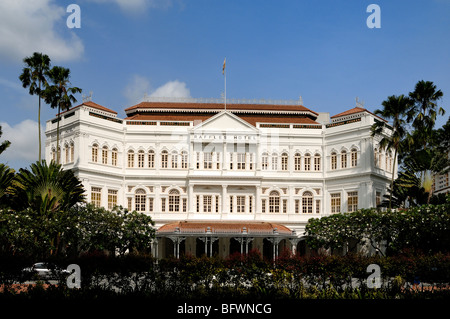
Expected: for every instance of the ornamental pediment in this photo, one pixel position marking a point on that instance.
(225, 122)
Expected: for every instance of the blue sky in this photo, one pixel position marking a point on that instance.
(320, 50)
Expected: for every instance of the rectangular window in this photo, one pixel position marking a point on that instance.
(184, 160)
(317, 163)
(354, 158)
(231, 160)
(217, 204)
(141, 158)
(297, 206)
(352, 201)
(174, 160)
(139, 202)
(297, 162)
(317, 206)
(96, 196)
(207, 160)
(344, 159)
(207, 203)
(130, 159)
(333, 161)
(163, 204)
(285, 206)
(250, 204)
(184, 205)
(284, 162)
(198, 204)
(217, 160)
(112, 198)
(336, 203)
(265, 162)
(130, 202)
(197, 160)
(231, 204)
(114, 157)
(240, 160)
(307, 163)
(274, 163)
(150, 204)
(263, 206)
(240, 204)
(164, 159)
(151, 159)
(307, 204)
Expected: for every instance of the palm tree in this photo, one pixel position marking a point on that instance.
(34, 76)
(6, 177)
(5, 144)
(395, 108)
(424, 110)
(46, 188)
(60, 95)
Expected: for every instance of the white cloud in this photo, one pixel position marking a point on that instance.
(172, 89)
(139, 86)
(29, 26)
(24, 142)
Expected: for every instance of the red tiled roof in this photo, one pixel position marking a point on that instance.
(354, 111)
(250, 118)
(216, 106)
(224, 227)
(97, 106)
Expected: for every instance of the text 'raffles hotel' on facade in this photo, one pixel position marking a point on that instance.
(219, 180)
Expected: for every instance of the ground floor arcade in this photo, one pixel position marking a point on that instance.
(223, 239)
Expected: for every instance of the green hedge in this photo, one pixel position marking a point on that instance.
(248, 277)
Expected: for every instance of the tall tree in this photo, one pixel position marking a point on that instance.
(60, 95)
(34, 76)
(5, 144)
(424, 110)
(394, 108)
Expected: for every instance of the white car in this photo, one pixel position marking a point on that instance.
(45, 270)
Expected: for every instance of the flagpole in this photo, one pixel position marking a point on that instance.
(224, 72)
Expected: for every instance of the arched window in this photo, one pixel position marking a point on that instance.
(174, 159)
(344, 159)
(375, 157)
(174, 201)
(354, 153)
(114, 157)
(95, 153)
(333, 161)
(274, 162)
(67, 153)
(284, 162)
(151, 159)
(72, 152)
(140, 200)
(317, 162)
(141, 158)
(297, 162)
(307, 202)
(307, 162)
(265, 161)
(130, 158)
(54, 154)
(274, 202)
(164, 159)
(184, 159)
(105, 155)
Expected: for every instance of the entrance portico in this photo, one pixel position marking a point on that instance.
(222, 238)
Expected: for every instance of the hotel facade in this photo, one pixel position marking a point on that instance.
(218, 179)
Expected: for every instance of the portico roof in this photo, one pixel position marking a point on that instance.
(225, 228)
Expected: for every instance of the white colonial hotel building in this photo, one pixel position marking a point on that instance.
(217, 181)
